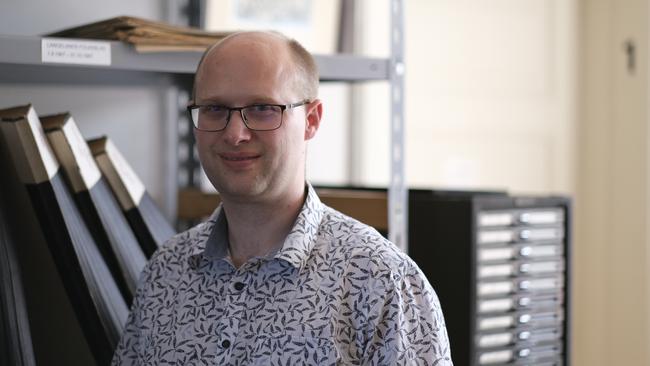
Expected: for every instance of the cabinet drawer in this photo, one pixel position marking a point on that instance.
(519, 319)
(520, 302)
(519, 251)
(523, 355)
(519, 285)
(541, 216)
(520, 235)
(532, 268)
(522, 335)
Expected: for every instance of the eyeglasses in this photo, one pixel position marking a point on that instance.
(257, 117)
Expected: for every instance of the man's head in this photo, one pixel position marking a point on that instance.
(305, 65)
(253, 68)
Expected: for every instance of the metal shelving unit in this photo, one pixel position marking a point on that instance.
(26, 50)
(21, 62)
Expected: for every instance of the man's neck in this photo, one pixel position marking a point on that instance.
(258, 228)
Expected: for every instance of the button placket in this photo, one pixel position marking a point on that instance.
(235, 289)
(228, 324)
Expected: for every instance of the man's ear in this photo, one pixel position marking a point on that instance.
(314, 112)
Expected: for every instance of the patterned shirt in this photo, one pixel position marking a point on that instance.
(336, 293)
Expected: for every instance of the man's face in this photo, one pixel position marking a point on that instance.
(250, 165)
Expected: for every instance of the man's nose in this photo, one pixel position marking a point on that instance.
(236, 131)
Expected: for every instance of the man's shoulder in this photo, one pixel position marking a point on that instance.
(360, 244)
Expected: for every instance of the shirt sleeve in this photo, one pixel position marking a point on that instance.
(408, 327)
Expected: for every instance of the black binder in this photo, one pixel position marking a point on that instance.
(91, 289)
(96, 202)
(149, 225)
(15, 335)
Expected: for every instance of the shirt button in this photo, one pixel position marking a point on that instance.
(225, 343)
(239, 286)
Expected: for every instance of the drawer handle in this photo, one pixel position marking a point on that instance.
(524, 268)
(524, 335)
(524, 285)
(525, 352)
(524, 234)
(525, 251)
(524, 318)
(524, 301)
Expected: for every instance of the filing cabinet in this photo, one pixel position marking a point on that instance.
(500, 265)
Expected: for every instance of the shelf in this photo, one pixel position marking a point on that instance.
(368, 206)
(25, 52)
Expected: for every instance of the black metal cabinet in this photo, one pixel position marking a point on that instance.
(500, 266)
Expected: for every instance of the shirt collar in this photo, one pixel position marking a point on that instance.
(297, 246)
(299, 243)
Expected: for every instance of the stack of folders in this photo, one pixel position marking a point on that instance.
(149, 225)
(15, 336)
(145, 35)
(96, 203)
(92, 290)
(99, 223)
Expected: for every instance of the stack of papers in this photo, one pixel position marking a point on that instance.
(145, 35)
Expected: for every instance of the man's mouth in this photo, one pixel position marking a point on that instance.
(238, 157)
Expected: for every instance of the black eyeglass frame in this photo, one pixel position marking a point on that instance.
(282, 107)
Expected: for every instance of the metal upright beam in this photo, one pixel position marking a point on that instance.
(397, 191)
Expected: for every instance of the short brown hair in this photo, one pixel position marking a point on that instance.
(304, 62)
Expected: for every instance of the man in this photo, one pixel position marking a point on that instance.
(275, 277)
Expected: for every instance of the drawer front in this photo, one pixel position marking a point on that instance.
(522, 355)
(520, 217)
(503, 304)
(518, 319)
(520, 268)
(519, 335)
(533, 251)
(519, 285)
(520, 235)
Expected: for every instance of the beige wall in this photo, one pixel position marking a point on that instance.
(612, 307)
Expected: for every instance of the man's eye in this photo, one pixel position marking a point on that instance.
(265, 110)
(213, 108)
(262, 108)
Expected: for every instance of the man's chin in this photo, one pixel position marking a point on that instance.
(240, 191)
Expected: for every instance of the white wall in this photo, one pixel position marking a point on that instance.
(490, 95)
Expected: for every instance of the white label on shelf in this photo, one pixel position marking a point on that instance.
(495, 271)
(495, 254)
(543, 251)
(496, 322)
(495, 219)
(543, 284)
(493, 288)
(487, 306)
(541, 234)
(540, 267)
(501, 236)
(74, 51)
(494, 340)
(541, 217)
(495, 357)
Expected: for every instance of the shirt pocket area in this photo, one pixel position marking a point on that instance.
(293, 349)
